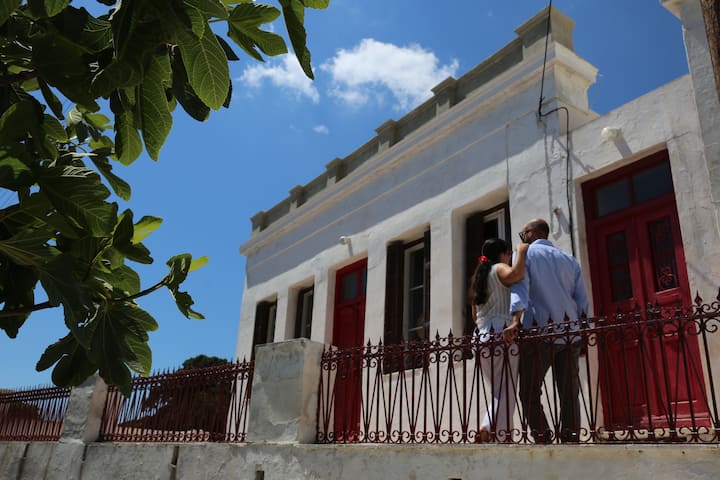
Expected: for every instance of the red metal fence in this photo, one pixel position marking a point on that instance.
(33, 414)
(641, 376)
(195, 405)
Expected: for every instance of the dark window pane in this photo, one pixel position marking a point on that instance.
(363, 286)
(307, 330)
(619, 267)
(612, 197)
(417, 268)
(621, 285)
(349, 286)
(663, 254)
(416, 316)
(303, 320)
(491, 229)
(272, 312)
(652, 183)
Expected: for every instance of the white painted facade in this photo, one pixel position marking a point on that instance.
(433, 170)
(487, 148)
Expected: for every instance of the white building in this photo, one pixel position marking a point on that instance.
(380, 245)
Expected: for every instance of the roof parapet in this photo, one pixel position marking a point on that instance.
(446, 94)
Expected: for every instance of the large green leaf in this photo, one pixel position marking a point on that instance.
(61, 62)
(211, 8)
(51, 99)
(119, 186)
(39, 207)
(229, 53)
(53, 129)
(244, 24)
(17, 292)
(184, 302)
(18, 120)
(79, 194)
(85, 250)
(47, 8)
(180, 265)
(73, 365)
(185, 94)
(179, 268)
(6, 9)
(123, 234)
(122, 240)
(54, 352)
(29, 247)
(156, 117)
(198, 263)
(60, 283)
(120, 341)
(206, 66)
(316, 3)
(118, 74)
(122, 278)
(128, 145)
(294, 15)
(198, 22)
(144, 227)
(14, 173)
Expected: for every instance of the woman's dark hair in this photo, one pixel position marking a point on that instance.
(492, 248)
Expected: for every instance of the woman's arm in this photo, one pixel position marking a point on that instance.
(510, 275)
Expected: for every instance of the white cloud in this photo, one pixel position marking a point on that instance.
(322, 129)
(363, 73)
(286, 74)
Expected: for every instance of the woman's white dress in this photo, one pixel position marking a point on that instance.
(498, 361)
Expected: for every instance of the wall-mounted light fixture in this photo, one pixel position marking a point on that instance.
(344, 240)
(610, 134)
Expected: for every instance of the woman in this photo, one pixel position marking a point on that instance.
(490, 299)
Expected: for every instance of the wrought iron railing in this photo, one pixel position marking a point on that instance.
(641, 376)
(195, 405)
(35, 414)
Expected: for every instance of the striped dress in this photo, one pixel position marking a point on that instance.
(495, 312)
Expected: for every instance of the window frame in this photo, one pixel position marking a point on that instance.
(396, 323)
(303, 312)
(265, 322)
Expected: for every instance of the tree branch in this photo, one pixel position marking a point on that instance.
(147, 291)
(24, 310)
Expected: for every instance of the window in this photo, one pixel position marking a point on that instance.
(493, 223)
(407, 293)
(303, 315)
(414, 324)
(636, 188)
(264, 331)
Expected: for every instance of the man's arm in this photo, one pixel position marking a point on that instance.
(519, 295)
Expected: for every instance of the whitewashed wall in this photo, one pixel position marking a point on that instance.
(56, 461)
(488, 149)
(483, 151)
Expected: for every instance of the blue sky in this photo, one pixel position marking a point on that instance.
(374, 60)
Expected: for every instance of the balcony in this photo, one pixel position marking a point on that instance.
(644, 376)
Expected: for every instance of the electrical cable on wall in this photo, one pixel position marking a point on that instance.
(568, 180)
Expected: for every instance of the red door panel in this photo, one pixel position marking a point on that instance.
(650, 373)
(348, 332)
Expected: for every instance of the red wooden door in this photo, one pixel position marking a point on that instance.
(348, 333)
(650, 373)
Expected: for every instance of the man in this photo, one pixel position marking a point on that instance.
(553, 288)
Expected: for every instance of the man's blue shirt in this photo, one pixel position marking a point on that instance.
(553, 286)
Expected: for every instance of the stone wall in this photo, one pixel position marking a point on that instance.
(63, 461)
